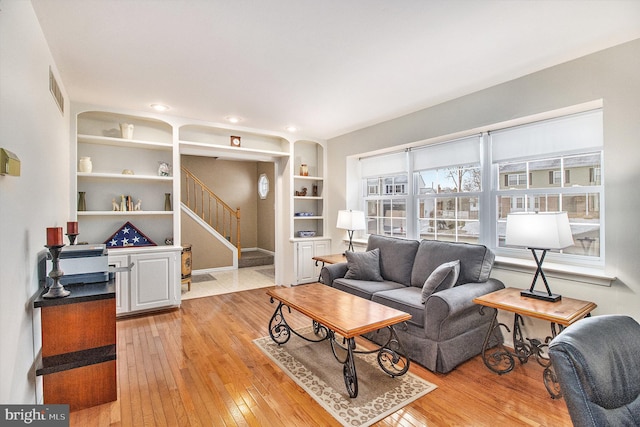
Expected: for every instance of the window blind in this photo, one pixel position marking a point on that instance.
(452, 153)
(581, 131)
(385, 164)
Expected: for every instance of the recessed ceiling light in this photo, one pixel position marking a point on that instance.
(159, 107)
(291, 129)
(233, 119)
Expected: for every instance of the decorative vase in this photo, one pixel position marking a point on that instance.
(82, 203)
(167, 202)
(85, 165)
(304, 170)
(127, 130)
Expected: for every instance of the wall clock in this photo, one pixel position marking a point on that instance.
(235, 141)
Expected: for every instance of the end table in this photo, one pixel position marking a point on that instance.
(562, 313)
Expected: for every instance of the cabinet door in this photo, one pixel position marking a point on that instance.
(153, 280)
(305, 265)
(121, 282)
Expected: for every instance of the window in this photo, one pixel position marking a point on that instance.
(463, 190)
(448, 203)
(563, 163)
(387, 210)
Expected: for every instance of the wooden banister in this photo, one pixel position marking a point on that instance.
(211, 208)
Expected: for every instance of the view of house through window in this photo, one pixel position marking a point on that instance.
(547, 166)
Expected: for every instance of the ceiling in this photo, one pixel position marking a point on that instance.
(326, 66)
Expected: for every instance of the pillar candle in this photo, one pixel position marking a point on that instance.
(54, 236)
(72, 227)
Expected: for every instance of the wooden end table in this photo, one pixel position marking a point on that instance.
(562, 313)
(336, 312)
(329, 259)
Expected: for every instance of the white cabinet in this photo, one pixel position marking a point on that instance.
(153, 281)
(306, 270)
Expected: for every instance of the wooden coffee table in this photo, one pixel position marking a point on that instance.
(336, 313)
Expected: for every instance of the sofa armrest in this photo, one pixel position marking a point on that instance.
(443, 307)
(330, 272)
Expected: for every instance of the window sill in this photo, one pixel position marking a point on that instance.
(575, 273)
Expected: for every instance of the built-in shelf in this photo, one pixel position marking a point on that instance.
(109, 176)
(121, 213)
(121, 142)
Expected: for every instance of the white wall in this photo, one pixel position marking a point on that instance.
(32, 127)
(612, 75)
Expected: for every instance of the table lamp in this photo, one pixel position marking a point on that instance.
(539, 232)
(351, 221)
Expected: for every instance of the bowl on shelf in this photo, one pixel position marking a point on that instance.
(306, 233)
(304, 214)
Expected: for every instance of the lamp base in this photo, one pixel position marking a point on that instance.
(541, 295)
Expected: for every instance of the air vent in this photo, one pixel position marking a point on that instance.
(55, 91)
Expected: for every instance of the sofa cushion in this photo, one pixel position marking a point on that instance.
(363, 265)
(476, 261)
(396, 257)
(364, 288)
(405, 299)
(443, 277)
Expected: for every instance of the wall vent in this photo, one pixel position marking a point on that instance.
(55, 91)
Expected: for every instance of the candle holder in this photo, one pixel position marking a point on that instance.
(72, 238)
(56, 290)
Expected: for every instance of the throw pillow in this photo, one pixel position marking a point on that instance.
(443, 277)
(364, 265)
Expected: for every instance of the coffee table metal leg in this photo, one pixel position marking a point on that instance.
(349, 370)
(279, 330)
(392, 357)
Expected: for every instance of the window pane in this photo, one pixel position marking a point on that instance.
(586, 238)
(512, 176)
(545, 173)
(456, 179)
(584, 170)
(395, 220)
(373, 187)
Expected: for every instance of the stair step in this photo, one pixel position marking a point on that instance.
(254, 258)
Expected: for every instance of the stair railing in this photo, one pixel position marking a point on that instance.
(211, 208)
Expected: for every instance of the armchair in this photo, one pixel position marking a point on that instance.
(596, 363)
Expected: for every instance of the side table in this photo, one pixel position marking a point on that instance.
(329, 259)
(561, 314)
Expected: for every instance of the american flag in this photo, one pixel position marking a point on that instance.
(128, 236)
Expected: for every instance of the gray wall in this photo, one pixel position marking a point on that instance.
(32, 127)
(612, 75)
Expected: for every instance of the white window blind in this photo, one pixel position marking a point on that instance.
(452, 153)
(386, 164)
(571, 133)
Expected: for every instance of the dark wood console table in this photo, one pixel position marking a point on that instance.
(78, 361)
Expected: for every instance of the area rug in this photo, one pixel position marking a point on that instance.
(313, 367)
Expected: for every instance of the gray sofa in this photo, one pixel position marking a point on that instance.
(448, 328)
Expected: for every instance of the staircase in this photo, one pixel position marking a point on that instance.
(255, 258)
(211, 209)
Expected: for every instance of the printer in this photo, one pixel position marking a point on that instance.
(80, 264)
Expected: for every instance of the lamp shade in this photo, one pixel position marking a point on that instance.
(543, 230)
(351, 220)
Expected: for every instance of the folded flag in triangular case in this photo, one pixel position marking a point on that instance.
(128, 236)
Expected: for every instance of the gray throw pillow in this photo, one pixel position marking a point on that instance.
(443, 277)
(364, 265)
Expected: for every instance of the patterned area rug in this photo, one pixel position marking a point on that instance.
(313, 367)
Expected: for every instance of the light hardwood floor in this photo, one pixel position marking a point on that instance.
(197, 366)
